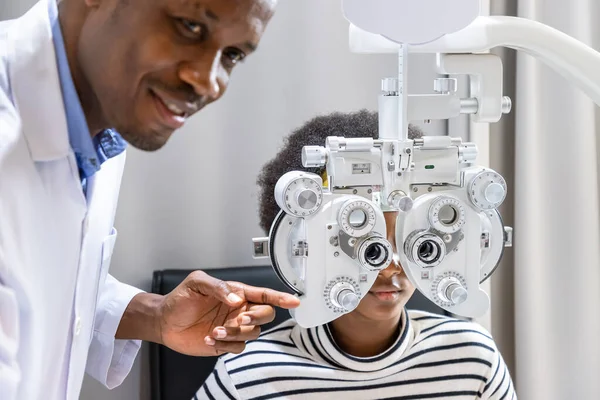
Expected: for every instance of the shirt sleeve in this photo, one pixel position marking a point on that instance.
(218, 386)
(109, 359)
(499, 384)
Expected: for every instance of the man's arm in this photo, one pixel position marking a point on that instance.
(218, 385)
(202, 316)
(140, 320)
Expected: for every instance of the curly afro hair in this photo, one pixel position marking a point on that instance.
(361, 123)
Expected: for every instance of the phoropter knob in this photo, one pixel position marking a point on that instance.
(299, 193)
(487, 190)
(314, 156)
(399, 200)
(452, 291)
(343, 296)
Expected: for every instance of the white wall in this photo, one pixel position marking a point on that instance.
(193, 204)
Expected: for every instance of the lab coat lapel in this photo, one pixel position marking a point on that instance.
(34, 76)
(102, 194)
(36, 85)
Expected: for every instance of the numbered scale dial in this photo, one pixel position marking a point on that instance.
(447, 215)
(342, 294)
(487, 190)
(357, 218)
(299, 194)
(449, 289)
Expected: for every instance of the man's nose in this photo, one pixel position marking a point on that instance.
(204, 75)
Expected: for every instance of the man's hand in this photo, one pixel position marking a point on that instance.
(203, 316)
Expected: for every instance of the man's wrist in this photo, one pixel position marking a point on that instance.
(141, 319)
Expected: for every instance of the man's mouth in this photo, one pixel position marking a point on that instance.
(174, 109)
(173, 112)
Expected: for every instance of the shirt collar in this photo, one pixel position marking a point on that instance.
(319, 342)
(89, 153)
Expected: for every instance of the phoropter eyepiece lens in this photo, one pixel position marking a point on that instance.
(428, 251)
(425, 248)
(375, 254)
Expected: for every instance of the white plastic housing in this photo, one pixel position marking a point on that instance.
(315, 305)
(464, 262)
(410, 21)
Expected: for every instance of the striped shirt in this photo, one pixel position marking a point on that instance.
(434, 357)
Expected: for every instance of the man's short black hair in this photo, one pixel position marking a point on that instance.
(361, 123)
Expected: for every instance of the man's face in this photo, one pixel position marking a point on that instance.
(391, 290)
(152, 64)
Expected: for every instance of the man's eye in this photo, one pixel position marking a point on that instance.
(193, 27)
(234, 56)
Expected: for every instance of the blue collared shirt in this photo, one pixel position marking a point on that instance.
(90, 152)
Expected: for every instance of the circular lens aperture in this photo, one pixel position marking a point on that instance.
(425, 249)
(448, 215)
(375, 254)
(357, 218)
(428, 251)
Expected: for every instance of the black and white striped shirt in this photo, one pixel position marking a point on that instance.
(434, 357)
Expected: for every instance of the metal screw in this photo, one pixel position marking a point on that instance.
(369, 191)
(329, 227)
(407, 151)
(429, 189)
(336, 254)
(290, 223)
(399, 173)
(352, 241)
(447, 238)
(355, 191)
(415, 189)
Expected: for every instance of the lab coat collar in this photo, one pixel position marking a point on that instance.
(36, 85)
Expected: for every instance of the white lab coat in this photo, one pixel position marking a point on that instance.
(59, 307)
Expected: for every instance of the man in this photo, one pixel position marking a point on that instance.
(71, 77)
(379, 350)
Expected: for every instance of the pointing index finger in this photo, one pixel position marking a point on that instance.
(272, 297)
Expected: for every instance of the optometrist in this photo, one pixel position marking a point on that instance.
(78, 80)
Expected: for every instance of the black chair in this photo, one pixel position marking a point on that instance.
(174, 376)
